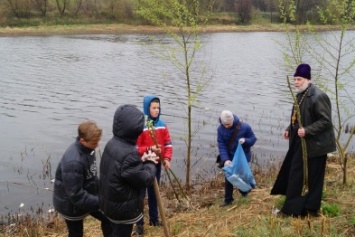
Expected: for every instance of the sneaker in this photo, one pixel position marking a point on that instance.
(139, 230)
(155, 223)
(225, 204)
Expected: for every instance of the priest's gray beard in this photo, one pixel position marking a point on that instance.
(303, 87)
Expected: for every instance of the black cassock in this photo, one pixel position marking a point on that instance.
(289, 181)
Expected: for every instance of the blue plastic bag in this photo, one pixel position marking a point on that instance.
(239, 173)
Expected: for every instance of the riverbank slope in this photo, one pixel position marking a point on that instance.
(251, 216)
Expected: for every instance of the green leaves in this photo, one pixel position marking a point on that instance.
(172, 13)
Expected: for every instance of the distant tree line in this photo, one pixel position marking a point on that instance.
(237, 11)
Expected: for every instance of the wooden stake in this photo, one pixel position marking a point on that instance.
(161, 209)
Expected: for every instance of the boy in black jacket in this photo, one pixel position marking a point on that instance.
(76, 182)
(123, 173)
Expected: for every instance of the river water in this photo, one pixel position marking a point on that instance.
(48, 85)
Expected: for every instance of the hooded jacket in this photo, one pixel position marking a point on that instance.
(76, 183)
(122, 173)
(145, 141)
(227, 151)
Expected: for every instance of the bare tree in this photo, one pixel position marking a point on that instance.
(272, 7)
(41, 6)
(14, 8)
(20, 8)
(243, 9)
(62, 5)
(79, 4)
(180, 20)
(304, 10)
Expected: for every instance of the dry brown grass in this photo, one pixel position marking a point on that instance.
(202, 216)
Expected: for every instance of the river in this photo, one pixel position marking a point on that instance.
(50, 84)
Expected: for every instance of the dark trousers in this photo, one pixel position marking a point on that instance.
(122, 230)
(152, 200)
(76, 228)
(228, 191)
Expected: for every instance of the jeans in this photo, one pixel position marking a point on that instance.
(76, 228)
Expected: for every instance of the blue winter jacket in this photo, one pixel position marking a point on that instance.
(226, 151)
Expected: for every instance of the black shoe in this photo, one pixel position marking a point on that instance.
(282, 214)
(155, 223)
(139, 230)
(244, 194)
(313, 213)
(225, 204)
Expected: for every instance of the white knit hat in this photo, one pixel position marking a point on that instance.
(227, 117)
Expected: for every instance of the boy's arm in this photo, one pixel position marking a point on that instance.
(136, 173)
(168, 147)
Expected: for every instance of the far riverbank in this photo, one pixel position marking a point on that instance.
(44, 30)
